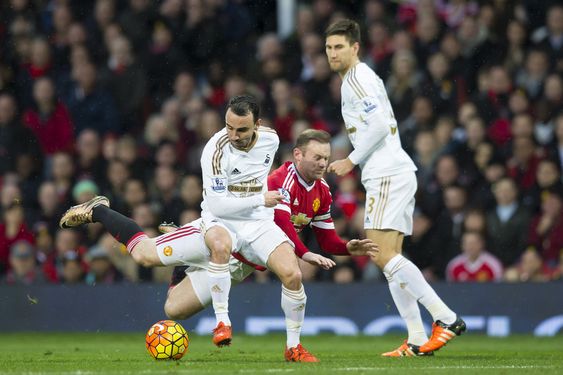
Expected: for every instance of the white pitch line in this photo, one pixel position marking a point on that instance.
(501, 367)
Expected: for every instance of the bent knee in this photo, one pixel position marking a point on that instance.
(175, 311)
(145, 254)
(291, 278)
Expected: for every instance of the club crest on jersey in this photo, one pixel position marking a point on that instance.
(267, 160)
(369, 105)
(286, 197)
(316, 205)
(218, 184)
(167, 251)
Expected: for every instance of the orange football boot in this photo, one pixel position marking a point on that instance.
(406, 350)
(299, 354)
(222, 335)
(442, 333)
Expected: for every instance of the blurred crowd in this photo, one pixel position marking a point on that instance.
(118, 97)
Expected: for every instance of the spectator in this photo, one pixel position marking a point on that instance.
(446, 237)
(14, 138)
(23, 269)
(101, 270)
(72, 269)
(530, 268)
(125, 79)
(403, 83)
(91, 107)
(166, 196)
(62, 175)
(12, 230)
(474, 263)
(49, 119)
(546, 229)
(507, 223)
(548, 178)
(191, 192)
(522, 167)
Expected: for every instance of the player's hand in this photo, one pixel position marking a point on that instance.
(318, 260)
(341, 167)
(361, 247)
(272, 198)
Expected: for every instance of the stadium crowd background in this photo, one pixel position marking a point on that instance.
(118, 98)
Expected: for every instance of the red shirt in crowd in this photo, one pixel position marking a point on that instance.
(55, 132)
(485, 268)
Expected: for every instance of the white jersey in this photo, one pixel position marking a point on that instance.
(371, 125)
(234, 181)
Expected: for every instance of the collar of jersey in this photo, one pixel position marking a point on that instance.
(301, 180)
(252, 144)
(350, 70)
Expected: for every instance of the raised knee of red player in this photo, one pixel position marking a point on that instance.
(145, 254)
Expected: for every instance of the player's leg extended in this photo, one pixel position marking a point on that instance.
(122, 228)
(407, 306)
(403, 277)
(283, 262)
(219, 243)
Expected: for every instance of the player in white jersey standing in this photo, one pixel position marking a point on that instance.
(235, 164)
(388, 175)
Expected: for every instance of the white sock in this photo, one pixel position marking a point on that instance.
(219, 279)
(293, 305)
(410, 279)
(409, 311)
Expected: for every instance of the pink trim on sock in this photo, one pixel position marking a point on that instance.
(134, 241)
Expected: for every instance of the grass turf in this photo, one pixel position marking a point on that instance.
(124, 353)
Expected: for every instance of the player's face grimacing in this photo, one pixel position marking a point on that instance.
(341, 54)
(240, 129)
(312, 160)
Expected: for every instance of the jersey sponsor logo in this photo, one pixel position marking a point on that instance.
(218, 184)
(368, 105)
(300, 220)
(316, 205)
(286, 196)
(167, 251)
(235, 171)
(267, 160)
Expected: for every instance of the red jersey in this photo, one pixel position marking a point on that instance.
(485, 268)
(305, 205)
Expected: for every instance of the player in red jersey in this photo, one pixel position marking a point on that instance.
(307, 197)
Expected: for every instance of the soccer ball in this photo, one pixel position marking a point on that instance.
(167, 339)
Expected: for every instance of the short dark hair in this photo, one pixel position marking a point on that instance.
(348, 28)
(311, 135)
(242, 105)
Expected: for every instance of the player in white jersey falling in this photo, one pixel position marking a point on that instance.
(235, 164)
(388, 175)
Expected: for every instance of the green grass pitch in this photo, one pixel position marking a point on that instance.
(125, 353)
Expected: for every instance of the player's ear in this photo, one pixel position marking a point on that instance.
(258, 123)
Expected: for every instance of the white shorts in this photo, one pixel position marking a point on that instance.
(186, 246)
(256, 239)
(390, 202)
(198, 277)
